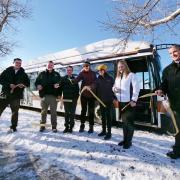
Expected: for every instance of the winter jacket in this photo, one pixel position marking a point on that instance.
(8, 77)
(47, 81)
(88, 79)
(171, 84)
(69, 89)
(104, 88)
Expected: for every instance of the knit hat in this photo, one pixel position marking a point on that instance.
(102, 67)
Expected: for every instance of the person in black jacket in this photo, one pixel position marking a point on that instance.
(47, 83)
(88, 78)
(170, 86)
(70, 92)
(13, 81)
(104, 92)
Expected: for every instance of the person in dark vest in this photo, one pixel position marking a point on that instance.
(104, 92)
(70, 92)
(125, 79)
(13, 81)
(47, 83)
(170, 86)
(88, 78)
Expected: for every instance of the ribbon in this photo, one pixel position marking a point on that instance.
(168, 109)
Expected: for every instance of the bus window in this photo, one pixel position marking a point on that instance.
(76, 70)
(32, 77)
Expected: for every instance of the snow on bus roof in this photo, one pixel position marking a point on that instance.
(102, 49)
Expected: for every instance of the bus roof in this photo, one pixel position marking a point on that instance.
(105, 49)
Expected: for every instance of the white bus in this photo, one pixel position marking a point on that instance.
(141, 57)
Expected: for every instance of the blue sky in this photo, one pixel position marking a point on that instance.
(61, 24)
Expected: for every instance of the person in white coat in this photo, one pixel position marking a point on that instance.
(126, 89)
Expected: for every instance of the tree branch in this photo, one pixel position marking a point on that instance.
(160, 21)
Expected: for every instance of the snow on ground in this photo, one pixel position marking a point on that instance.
(80, 155)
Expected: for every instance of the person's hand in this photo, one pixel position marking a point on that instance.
(116, 89)
(87, 87)
(159, 92)
(132, 103)
(12, 86)
(39, 87)
(21, 85)
(56, 85)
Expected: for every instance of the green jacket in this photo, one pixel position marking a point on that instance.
(47, 81)
(69, 88)
(8, 77)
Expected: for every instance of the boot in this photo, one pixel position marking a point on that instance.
(91, 129)
(103, 133)
(127, 145)
(66, 129)
(70, 130)
(42, 128)
(129, 136)
(82, 128)
(107, 137)
(173, 155)
(121, 143)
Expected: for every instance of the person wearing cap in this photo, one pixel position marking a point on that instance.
(47, 83)
(126, 89)
(13, 81)
(88, 79)
(104, 92)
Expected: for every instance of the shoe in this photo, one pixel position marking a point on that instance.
(54, 130)
(107, 137)
(11, 130)
(91, 129)
(70, 130)
(82, 128)
(66, 130)
(121, 143)
(102, 133)
(127, 145)
(173, 155)
(42, 128)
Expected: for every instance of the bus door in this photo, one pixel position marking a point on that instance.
(146, 113)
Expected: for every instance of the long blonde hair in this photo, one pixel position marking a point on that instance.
(126, 70)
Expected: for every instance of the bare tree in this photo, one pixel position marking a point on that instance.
(148, 18)
(10, 11)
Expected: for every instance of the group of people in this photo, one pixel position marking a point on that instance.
(125, 89)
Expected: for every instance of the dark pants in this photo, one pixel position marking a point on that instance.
(14, 105)
(70, 108)
(128, 122)
(87, 104)
(106, 117)
(176, 147)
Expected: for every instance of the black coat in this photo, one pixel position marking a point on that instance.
(171, 84)
(8, 77)
(69, 88)
(47, 81)
(104, 88)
